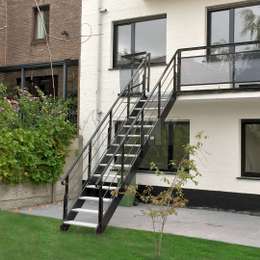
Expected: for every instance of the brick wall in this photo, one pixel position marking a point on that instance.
(2, 30)
(65, 15)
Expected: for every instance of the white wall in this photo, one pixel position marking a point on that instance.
(220, 159)
(186, 27)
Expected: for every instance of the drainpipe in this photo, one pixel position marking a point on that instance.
(99, 63)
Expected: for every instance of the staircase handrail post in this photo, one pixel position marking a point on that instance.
(122, 162)
(159, 98)
(144, 78)
(66, 198)
(100, 210)
(149, 71)
(90, 159)
(110, 129)
(128, 100)
(142, 131)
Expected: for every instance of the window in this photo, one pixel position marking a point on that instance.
(234, 24)
(41, 22)
(44, 83)
(167, 145)
(250, 148)
(141, 35)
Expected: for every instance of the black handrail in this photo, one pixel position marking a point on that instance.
(99, 180)
(103, 120)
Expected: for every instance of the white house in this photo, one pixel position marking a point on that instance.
(211, 84)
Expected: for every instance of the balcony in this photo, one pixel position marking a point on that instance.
(218, 68)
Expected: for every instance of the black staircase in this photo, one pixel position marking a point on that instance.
(112, 155)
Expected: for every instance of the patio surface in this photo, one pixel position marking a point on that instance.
(236, 228)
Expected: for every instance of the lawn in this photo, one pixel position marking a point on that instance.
(25, 237)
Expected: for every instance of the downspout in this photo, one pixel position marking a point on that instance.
(99, 64)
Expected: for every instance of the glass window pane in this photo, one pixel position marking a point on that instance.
(41, 23)
(123, 43)
(247, 67)
(252, 148)
(206, 70)
(247, 24)
(181, 137)
(150, 36)
(219, 27)
(158, 150)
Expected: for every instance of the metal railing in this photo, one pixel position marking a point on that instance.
(93, 152)
(222, 66)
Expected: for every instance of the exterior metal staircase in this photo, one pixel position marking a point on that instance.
(112, 155)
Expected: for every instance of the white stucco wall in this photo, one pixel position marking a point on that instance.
(220, 159)
(186, 27)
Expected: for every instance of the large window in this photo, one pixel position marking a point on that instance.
(140, 35)
(167, 145)
(41, 22)
(239, 23)
(251, 148)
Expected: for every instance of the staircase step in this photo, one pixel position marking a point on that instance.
(138, 126)
(103, 187)
(113, 176)
(114, 165)
(81, 224)
(80, 210)
(128, 145)
(94, 199)
(148, 108)
(119, 155)
(132, 136)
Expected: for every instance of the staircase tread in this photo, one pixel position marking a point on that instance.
(85, 210)
(94, 198)
(103, 187)
(80, 223)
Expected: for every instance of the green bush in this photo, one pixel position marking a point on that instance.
(34, 138)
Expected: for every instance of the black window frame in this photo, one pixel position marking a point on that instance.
(44, 8)
(231, 7)
(170, 125)
(132, 22)
(245, 122)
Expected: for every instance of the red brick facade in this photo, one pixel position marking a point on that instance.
(64, 16)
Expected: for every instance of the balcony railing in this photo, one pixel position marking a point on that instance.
(225, 66)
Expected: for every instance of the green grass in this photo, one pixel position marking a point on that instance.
(25, 237)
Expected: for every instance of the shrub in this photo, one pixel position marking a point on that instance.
(34, 138)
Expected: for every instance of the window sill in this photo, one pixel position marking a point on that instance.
(128, 67)
(152, 172)
(36, 42)
(248, 178)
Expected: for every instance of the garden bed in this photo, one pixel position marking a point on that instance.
(29, 195)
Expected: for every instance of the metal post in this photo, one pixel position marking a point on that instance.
(22, 78)
(149, 72)
(128, 100)
(110, 129)
(89, 159)
(100, 211)
(159, 99)
(65, 79)
(144, 79)
(179, 72)
(142, 131)
(66, 199)
(122, 163)
(174, 76)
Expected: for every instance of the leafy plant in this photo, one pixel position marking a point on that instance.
(35, 134)
(166, 203)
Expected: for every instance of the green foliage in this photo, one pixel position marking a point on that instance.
(35, 134)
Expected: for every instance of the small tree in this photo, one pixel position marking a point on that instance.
(166, 203)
